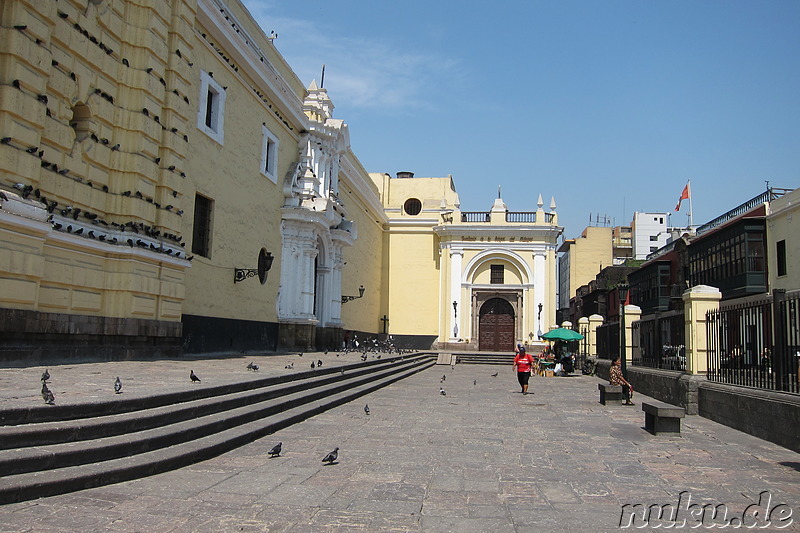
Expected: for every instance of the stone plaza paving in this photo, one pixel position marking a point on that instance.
(482, 458)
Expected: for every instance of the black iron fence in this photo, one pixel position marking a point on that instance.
(658, 341)
(608, 340)
(756, 343)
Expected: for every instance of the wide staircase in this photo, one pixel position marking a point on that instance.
(49, 450)
(485, 358)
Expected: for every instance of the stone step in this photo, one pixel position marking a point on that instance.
(485, 359)
(138, 432)
(171, 408)
(210, 436)
(46, 413)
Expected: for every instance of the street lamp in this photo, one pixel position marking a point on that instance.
(622, 292)
(540, 319)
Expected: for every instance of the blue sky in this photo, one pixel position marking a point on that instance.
(608, 106)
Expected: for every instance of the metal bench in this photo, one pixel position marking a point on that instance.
(608, 392)
(660, 417)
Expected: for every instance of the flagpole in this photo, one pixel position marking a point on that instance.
(690, 204)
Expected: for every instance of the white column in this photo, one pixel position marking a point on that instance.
(456, 257)
(336, 287)
(307, 291)
(539, 291)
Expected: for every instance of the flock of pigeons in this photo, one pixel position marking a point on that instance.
(50, 399)
(329, 459)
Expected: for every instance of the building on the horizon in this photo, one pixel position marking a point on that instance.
(649, 232)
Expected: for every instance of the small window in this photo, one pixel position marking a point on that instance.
(497, 274)
(211, 111)
(269, 155)
(781, 252)
(653, 238)
(653, 249)
(412, 206)
(201, 232)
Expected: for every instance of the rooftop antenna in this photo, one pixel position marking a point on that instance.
(322, 79)
(498, 192)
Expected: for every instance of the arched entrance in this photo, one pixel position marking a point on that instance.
(496, 326)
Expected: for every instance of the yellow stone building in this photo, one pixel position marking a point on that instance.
(170, 186)
(783, 244)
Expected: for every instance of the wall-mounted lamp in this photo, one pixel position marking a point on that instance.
(455, 308)
(346, 299)
(265, 259)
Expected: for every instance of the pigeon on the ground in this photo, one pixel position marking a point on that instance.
(495, 374)
(276, 450)
(474, 381)
(319, 362)
(118, 386)
(47, 395)
(252, 366)
(312, 365)
(442, 392)
(331, 457)
(301, 354)
(289, 366)
(366, 409)
(444, 378)
(193, 377)
(45, 375)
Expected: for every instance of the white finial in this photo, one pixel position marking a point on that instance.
(540, 203)
(552, 203)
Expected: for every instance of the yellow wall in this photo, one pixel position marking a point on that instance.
(61, 65)
(246, 209)
(783, 224)
(365, 260)
(413, 291)
(590, 254)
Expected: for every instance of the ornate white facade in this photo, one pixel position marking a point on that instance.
(314, 225)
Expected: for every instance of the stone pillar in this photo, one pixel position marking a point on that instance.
(583, 329)
(632, 314)
(456, 257)
(595, 321)
(540, 291)
(697, 301)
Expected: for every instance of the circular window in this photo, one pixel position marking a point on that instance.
(412, 206)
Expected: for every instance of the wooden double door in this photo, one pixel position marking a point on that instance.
(496, 326)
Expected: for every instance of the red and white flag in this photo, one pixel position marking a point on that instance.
(684, 196)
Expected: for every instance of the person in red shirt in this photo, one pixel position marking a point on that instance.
(522, 364)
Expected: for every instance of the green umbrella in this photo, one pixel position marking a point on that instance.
(562, 334)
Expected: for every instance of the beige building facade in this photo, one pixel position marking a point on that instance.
(466, 280)
(783, 242)
(169, 186)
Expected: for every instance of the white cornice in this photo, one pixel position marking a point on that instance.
(538, 233)
(359, 180)
(211, 14)
(427, 223)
